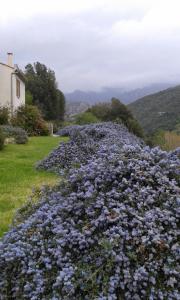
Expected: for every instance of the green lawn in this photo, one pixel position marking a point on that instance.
(18, 176)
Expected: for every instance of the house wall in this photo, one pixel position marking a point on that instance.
(21, 100)
(5, 88)
(5, 85)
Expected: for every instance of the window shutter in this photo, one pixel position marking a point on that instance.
(18, 88)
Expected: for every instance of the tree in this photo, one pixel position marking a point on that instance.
(28, 98)
(86, 118)
(41, 84)
(118, 112)
(100, 110)
(60, 105)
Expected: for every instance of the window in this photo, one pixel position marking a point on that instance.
(18, 88)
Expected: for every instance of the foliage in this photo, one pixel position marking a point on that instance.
(60, 106)
(133, 126)
(177, 128)
(18, 133)
(157, 139)
(85, 142)
(18, 176)
(28, 98)
(29, 118)
(158, 111)
(117, 111)
(4, 115)
(100, 110)
(167, 140)
(109, 231)
(2, 138)
(86, 118)
(41, 83)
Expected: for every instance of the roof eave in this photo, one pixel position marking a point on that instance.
(20, 75)
(5, 65)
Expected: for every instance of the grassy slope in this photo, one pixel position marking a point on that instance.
(147, 109)
(18, 175)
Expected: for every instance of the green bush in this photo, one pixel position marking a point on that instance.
(100, 110)
(177, 128)
(2, 138)
(86, 118)
(19, 134)
(28, 98)
(29, 118)
(134, 126)
(117, 112)
(4, 115)
(156, 139)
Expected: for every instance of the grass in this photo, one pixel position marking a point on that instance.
(167, 140)
(172, 140)
(18, 176)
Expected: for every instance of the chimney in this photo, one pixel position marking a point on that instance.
(10, 59)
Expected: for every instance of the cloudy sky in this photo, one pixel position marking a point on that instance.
(95, 43)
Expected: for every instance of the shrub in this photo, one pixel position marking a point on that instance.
(86, 118)
(4, 115)
(109, 231)
(85, 141)
(157, 139)
(117, 112)
(2, 138)
(133, 126)
(177, 128)
(29, 118)
(100, 110)
(19, 134)
(28, 98)
(167, 140)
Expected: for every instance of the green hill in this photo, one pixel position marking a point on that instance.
(158, 111)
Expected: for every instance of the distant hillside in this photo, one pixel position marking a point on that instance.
(158, 111)
(126, 96)
(75, 107)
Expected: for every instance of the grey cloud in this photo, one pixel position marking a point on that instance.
(94, 49)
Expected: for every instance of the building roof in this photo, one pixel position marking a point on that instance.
(6, 65)
(17, 71)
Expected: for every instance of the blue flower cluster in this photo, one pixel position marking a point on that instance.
(109, 231)
(85, 141)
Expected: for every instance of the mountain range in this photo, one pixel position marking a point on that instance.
(126, 96)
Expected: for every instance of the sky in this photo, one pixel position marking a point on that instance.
(92, 44)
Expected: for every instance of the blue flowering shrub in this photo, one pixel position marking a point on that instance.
(109, 231)
(85, 142)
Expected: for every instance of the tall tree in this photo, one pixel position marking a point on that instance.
(41, 83)
(116, 111)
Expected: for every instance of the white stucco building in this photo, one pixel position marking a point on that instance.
(12, 85)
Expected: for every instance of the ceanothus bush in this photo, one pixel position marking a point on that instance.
(84, 143)
(108, 231)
